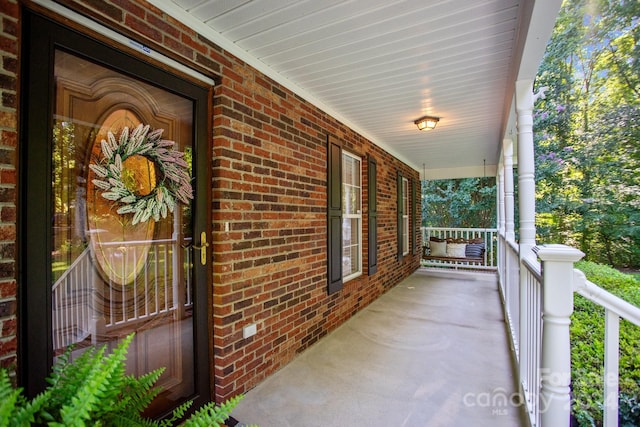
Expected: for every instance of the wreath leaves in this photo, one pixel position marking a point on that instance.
(174, 184)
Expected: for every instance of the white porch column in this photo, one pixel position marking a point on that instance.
(507, 149)
(500, 197)
(557, 305)
(526, 166)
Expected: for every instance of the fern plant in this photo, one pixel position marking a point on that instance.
(94, 389)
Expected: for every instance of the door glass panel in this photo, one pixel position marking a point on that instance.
(121, 219)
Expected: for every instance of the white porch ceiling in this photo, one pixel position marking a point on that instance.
(377, 65)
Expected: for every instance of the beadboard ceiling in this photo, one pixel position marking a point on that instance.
(378, 65)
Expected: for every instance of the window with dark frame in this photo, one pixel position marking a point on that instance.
(351, 216)
(406, 216)
(344, 216)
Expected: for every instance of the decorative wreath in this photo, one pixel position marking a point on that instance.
(121, 183)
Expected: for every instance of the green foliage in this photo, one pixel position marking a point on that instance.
(212, 415)
(629, 411)
(587, 132)
(587, 352)
(94, 389)
(468, 203)
(14, 408)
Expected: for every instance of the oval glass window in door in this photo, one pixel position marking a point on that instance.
(119, 247)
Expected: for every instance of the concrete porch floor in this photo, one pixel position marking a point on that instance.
(433, 351)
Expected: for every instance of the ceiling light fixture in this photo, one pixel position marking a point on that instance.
(427, 122)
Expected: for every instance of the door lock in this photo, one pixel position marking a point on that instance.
(202, 248)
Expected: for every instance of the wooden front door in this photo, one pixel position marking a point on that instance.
(113, 207)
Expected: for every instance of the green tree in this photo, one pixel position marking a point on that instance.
(587, 132)
(459, 203)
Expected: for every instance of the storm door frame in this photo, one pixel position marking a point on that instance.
(41, 37)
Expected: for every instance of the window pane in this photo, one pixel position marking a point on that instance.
(350, 170)
(405, 216)
(405, 195)
(352, 215)
(405, 234)
(350, 246)
(350, 231)
(351, 191)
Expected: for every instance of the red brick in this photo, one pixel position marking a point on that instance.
(187, 40)
(8, 138)
(8, 214)
(143, 28)
(9, 327)
(7, 232)
(8, 119)
(8, 176)
(163, 25)
(106, 9)
(268, 183)
(9, 7)
(8, 289)
(130, 7)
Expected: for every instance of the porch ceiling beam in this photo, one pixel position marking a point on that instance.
(457, 173)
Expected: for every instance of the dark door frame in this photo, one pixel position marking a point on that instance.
(40, 38)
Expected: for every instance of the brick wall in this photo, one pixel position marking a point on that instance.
(9, 29)
(268, 204)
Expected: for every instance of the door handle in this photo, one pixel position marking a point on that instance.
(202, 248)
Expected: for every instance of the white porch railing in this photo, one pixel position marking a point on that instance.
(71, 314)
(487, 235)
(85, 306)
(538, 303)
(614, 309)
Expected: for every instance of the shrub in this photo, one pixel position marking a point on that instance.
(587, 350)
(94, 389)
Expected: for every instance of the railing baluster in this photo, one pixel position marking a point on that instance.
(166, 279)
(76, 310)
(67, 316)
(187, 273)
(611, 367)
(155, 281)
(146, 288)
(134, 286)
(58, 332)
(112, 320)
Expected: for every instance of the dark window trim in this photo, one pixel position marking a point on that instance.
(400, 209)
(372, 211)
(414, 222)
(334, 214)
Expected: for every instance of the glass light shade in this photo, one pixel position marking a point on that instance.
(427, 122)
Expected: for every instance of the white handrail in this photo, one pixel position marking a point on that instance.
(615, 308)
(527, 281)
(594, 293)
